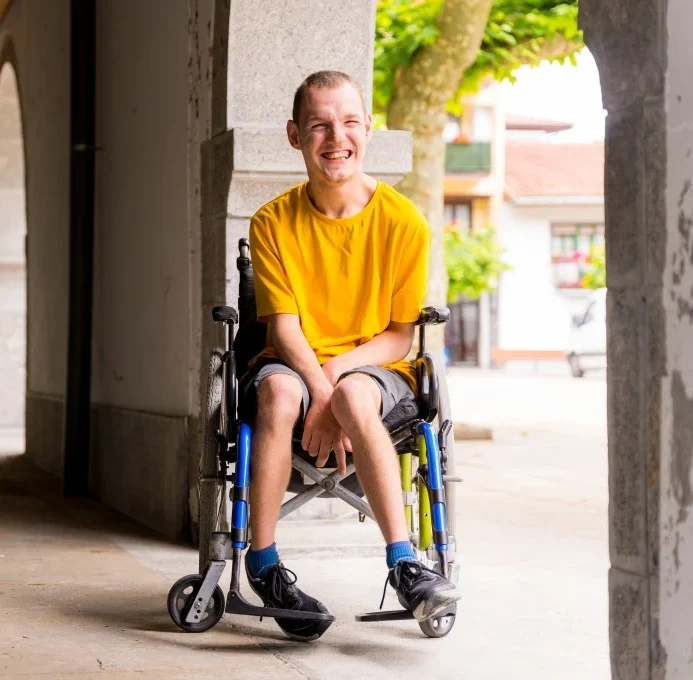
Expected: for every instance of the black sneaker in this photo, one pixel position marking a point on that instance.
(277, 589)
(421, 590)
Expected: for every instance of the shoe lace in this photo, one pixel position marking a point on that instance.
(406, 570)
(282, 583)
(382, 600)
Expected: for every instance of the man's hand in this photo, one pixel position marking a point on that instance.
(333, 369)
(321, 431)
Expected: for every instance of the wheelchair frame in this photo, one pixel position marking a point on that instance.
(196, 602)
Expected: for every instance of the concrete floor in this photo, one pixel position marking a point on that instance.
(83, 591)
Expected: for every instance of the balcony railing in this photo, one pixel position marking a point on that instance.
(467, 158)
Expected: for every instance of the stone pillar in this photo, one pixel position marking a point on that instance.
(642, 48)
(247, 161)
(676, 526)
(272, 48)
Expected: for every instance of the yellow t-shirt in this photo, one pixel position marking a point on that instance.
(345, 278)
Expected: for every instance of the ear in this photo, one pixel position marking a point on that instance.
(369, 126)
(293, 135)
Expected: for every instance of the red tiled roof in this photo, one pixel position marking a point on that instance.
(516, 122)
(540, 169)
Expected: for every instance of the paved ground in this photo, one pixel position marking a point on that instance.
(82, 591)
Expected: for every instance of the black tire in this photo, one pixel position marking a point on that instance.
(210, 492)
(439, 626)
(575, 368)
(182, 596)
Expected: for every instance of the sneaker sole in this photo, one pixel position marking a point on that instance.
(298, 638)
(266, 603)
(429, 609)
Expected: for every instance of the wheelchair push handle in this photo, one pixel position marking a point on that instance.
(243, 259)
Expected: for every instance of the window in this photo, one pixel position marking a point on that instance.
(459, 215)
(571, 245)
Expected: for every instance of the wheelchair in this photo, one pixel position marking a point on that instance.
(420, 433)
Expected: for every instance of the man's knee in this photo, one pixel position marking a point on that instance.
(280, 398)
(355, 394)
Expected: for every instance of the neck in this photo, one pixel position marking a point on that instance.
(343, 200)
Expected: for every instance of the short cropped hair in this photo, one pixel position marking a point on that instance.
(323, 79)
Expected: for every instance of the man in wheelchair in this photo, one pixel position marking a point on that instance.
(340, 265)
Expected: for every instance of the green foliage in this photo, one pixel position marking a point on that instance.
(516, 33)
(401, 28)
(474, 262)
(595, 276)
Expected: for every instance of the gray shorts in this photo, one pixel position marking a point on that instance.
(393, 387)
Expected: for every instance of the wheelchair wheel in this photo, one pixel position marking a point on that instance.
(182, 596)
(211, 490)
(439, 626)
(445, 413)
(421, 527)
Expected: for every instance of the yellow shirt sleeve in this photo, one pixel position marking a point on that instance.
(412, 273)
(273, 294)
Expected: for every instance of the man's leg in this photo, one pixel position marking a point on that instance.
(279, 399)
(356, 405)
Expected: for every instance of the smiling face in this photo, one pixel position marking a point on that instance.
(332, 133)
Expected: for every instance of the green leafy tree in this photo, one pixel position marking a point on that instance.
(473, 262)
(428, 52)
(595, 276)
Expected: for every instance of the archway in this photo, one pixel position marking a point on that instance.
(13, 288)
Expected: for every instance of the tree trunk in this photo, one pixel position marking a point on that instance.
(424, 186)
(418, 104)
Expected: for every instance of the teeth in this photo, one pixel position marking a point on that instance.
(335, 156)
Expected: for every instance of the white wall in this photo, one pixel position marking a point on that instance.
(142, 302)
(533, 314)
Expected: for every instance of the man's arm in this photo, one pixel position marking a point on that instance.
(293, 348)
(392, 345)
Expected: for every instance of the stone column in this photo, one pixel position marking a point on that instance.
(642, 48)
(272, 48)
(676, 526)
(247, 161)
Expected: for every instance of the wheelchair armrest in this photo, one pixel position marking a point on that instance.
(432, 316)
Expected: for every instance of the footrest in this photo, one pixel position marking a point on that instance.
(390, 615)
(237, 604)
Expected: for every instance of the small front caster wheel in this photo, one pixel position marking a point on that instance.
(182, 597)
(440, 626)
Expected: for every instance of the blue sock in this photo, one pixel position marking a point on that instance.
(260, 561)
(402, 550)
